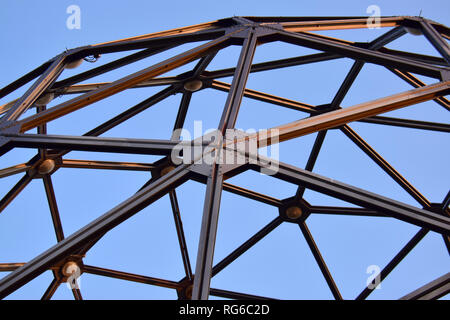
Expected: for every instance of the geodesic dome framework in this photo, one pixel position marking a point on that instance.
(247, 32)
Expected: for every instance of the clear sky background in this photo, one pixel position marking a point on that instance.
(281, 265)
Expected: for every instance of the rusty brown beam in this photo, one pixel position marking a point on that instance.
(13, 170)
(108, 165)
(337, 23)
(343, 116)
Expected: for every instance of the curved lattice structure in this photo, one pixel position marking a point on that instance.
(30, 112)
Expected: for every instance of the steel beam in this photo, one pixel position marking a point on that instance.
(252, 194)
(407, 123)
(333, 23)
(106, 165)
(19, 168)
(88, 87)
(48, 294)
(38, 88)
(340, 117)
(100, 226)
(318, 142)
(314, 110)
(123, 83)
(181, 115)
(364, 146)
(246, 245)
(180, 234)
(264, 97)
(14, 192)
(359, 53)
(415, 56)
(6, 267)
(345, 211)
(130, 277)
(360, 197)
(147, 42)
(182, 31)
(62, 84)
(417, 83)
(50, 192)
(436, 40)
(275, 64)
(431, 291)
(210, 218)
(320, 261)
(394, 262)
(77, 294)
(88, 143)
(26, 78)
(236, 295)
(206, 246)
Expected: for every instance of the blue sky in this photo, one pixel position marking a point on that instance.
(281, 265)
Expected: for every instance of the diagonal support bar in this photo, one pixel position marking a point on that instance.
(431, 291)
(320, 261)
(340, 117)
(203, 270)
(50, 192)
(123, 83)
(33, 93)
(396, 209)
(101, 225)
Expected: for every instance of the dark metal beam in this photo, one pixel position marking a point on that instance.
(415, 56)
(38, 88)
(206, 244)
(203, 270)
(14, 192)
(417, 83)
(124, 83)
(394, 262)
(407, 123)
(107, 165)
(265, 97)
(87, 143)
(50, 192)
(180, 234)
(234, 98)
(320, 261)
(436, 40)
(431, 291)
(101, 225)
(345, 211)
(60, 85)
(26, 78)
(181, 115)
(275, 64)
(77, 294)
(359, 53)
(147, 41)
(236, 295)
(364, 146)
(313, 110)
(48, 294)
(130, 277)
(446, 201)
(340, 117)
(246, 245)
(252, 194)
(360, 197)
(312, 159)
